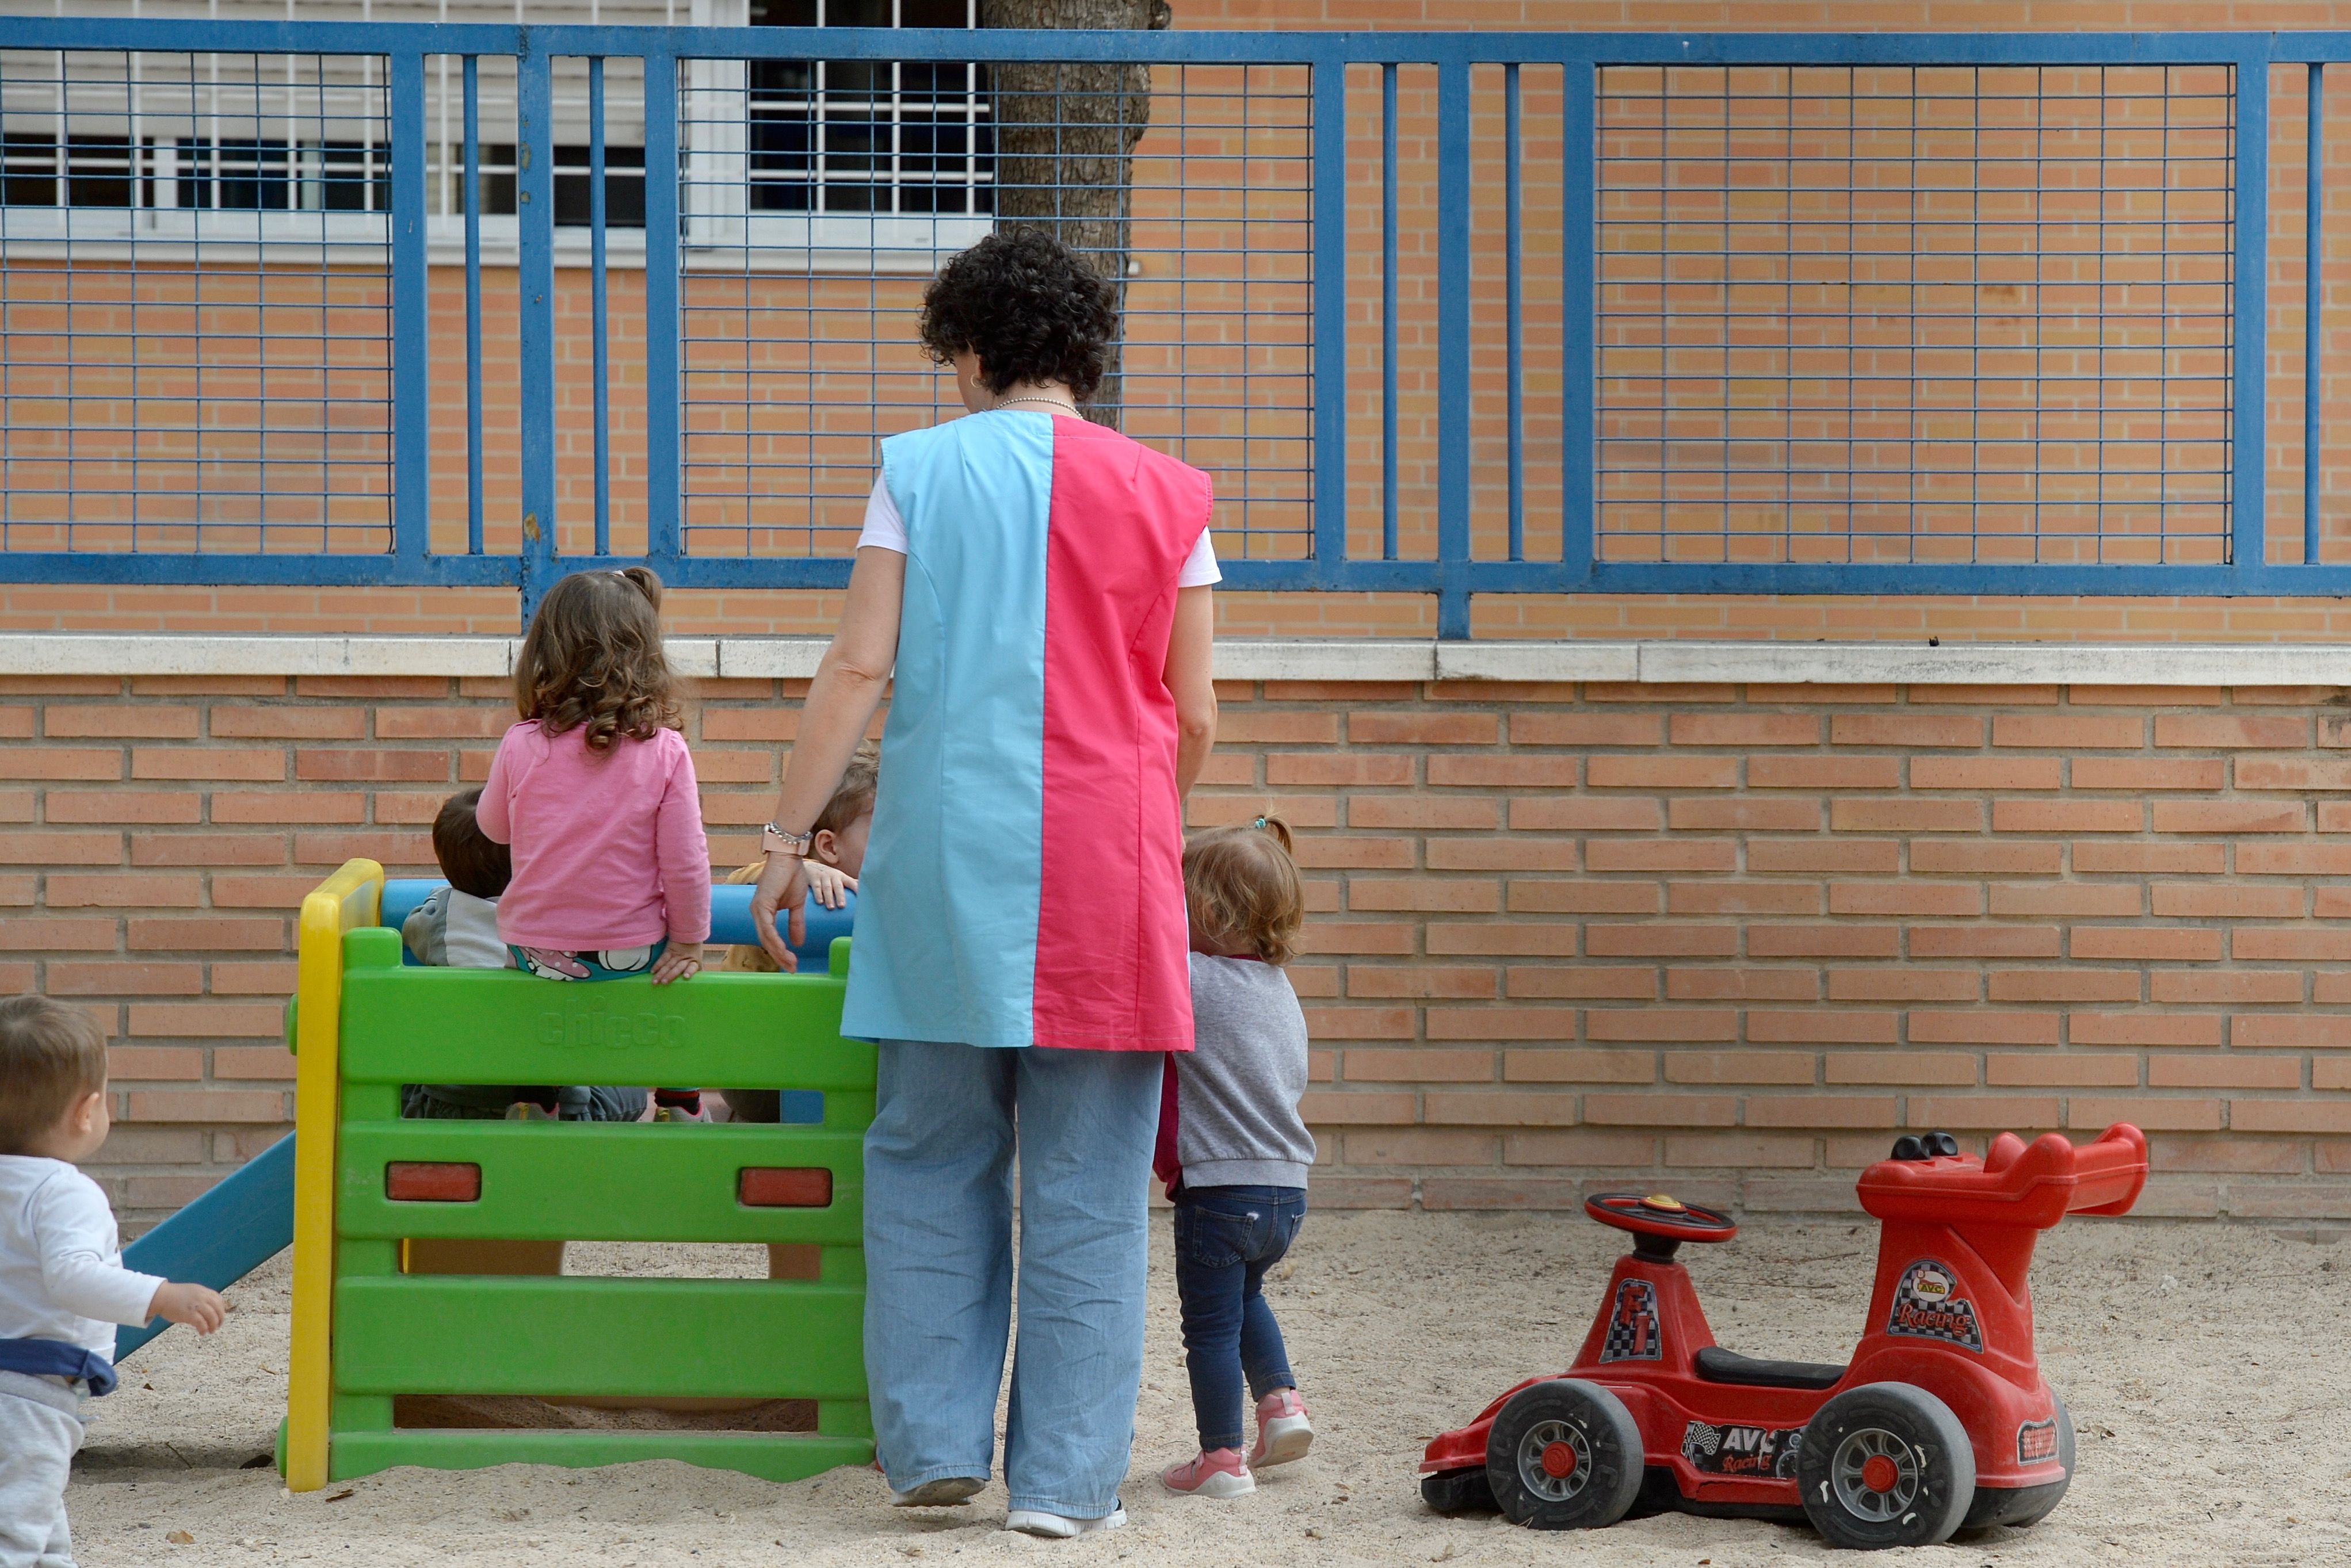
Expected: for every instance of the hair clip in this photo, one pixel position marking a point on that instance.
(1258, 825)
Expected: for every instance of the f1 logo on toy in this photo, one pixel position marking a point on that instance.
(1873, 1453)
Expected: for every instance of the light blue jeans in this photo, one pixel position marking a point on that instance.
(939, 1265)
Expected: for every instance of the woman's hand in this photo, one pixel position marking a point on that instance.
(679, 961)
(828, 885)
(783, 886)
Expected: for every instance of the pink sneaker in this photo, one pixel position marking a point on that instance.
(1219, 1472)
(1283, 1432)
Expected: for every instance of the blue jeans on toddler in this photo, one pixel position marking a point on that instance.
(602, 963)
(939, 1265)
(1226, 1239)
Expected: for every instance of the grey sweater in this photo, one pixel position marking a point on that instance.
(455, 930)
(1236, 1090)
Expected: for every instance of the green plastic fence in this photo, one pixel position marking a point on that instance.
(394, 1334)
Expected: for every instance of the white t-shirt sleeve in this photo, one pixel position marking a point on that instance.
(885, 529)
(1200, 569)
(81, 1260)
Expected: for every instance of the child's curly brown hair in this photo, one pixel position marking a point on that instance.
(593, 660)
(1243, 890)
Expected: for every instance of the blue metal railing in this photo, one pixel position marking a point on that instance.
(1646, 313)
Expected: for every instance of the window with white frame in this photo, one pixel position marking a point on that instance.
(174, 149)
(870, 136)
(840, 161)
(783, 162)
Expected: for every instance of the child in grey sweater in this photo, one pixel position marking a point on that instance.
(1234, 1150)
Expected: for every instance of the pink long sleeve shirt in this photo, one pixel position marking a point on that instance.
(608, 850)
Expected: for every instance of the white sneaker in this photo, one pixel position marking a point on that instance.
(945, 1492)
(1053, 1527)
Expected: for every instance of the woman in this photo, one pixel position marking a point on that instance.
(1040, 586)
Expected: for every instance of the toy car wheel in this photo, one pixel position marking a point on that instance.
(1885, 1464)
(1565, 1455)
(1457, 1491)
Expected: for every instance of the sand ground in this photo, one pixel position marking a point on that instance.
(2205, 1367)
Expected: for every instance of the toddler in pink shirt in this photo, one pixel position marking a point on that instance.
(594, 791)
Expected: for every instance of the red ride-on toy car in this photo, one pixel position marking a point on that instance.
(1940, 1422)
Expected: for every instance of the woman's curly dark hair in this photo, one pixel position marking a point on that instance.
(1032, 309)
(593, 660)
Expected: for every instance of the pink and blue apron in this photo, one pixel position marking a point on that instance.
(1023, 885)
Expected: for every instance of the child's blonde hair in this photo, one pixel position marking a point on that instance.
(1243, 889)
(593, 660)
(860, 782)
(852, 800)
(50, 1057)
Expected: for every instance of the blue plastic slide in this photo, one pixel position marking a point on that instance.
(220, 1238)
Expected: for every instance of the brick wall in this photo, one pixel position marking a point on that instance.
(1723, 938)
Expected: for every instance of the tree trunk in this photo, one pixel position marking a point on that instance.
(1065, 137)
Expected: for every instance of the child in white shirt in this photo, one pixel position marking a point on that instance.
(63, 1287)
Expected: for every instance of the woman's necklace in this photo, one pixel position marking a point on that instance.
(1049, 403)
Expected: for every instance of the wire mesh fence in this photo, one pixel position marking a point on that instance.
(1445, 314)
(820, 196)
(1910, 314)
(195, 304)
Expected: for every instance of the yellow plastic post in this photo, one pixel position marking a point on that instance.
(348, 898)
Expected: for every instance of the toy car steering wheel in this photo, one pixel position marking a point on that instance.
(1655, 1215)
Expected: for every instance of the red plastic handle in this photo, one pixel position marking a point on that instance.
(2016, 1183)
(2111, 1172)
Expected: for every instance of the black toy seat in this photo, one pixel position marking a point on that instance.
(1716, 1365)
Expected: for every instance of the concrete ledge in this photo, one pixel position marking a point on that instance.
(1242, 659)
(73, 653)
(769, 658)
(80, 653)
(1539, 661)
(795, 658)
(734, 658)
(1999, 664)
